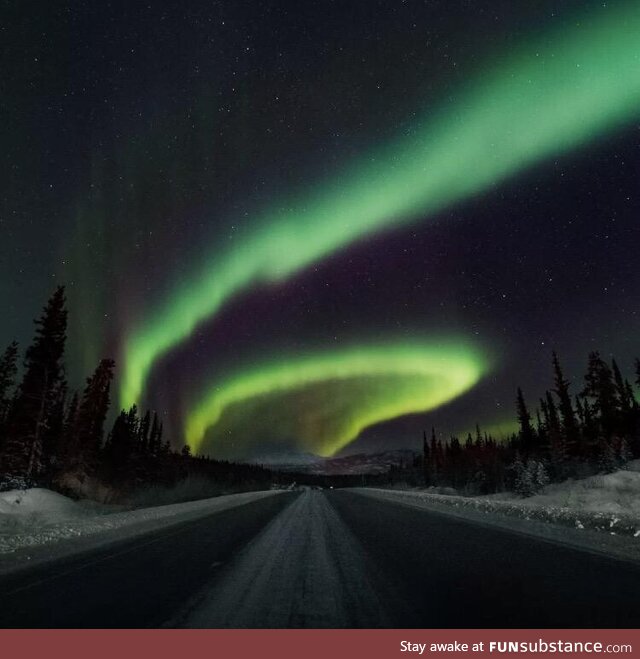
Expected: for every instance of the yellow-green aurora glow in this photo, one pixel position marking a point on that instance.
(325, 399)
(548, 97)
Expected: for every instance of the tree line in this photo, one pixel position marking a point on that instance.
(596, 429)
(55, 437)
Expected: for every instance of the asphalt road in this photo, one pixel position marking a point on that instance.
(134, 583)
(327, 559)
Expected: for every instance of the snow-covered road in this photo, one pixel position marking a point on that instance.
(306, 570)
(338, 558)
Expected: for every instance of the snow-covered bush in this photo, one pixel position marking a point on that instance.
(9, 482)
(530, 477)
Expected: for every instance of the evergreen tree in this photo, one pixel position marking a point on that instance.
(590, 425)
(527, 435)
(88, 426)
(625, 454)
(144, 431)
(53, 434)
(630, 395)
(621, 388)
(523, 481)
(120, 446)
(29, 420)
(133, 423)
(552, 420)
(608, 460)
(539, 425)
(580, 411)
(569, 424)
(626, 402)
(541, 478)
(425, 457)
(155, 436)
(601, 389)
(68, 436)
(479, 440)
(434, 456)
(8, 372)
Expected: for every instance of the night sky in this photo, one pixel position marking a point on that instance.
(323, 226)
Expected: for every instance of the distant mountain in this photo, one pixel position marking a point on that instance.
(360, 463)
(287, 461)
(368, 463)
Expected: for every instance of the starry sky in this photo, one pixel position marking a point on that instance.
(323, 226)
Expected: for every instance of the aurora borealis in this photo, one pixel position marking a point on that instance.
(326, 226)
(363, 386)
(548, 98)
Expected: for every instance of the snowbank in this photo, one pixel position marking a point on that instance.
(607, 502)
(610, 494)
(21, 510)
(34, 517)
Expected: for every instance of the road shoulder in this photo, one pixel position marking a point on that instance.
(611, 545)
(64, 541)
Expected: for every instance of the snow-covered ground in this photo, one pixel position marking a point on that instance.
(607, 494)
(607, 503)
(35, 517)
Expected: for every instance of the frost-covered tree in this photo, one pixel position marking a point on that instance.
(608, 460)
(625, 454)
(529, 477)
(541, 479)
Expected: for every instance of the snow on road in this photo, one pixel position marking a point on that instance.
(306, 569)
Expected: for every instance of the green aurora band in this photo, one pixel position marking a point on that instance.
(551, 96)
(359, 387)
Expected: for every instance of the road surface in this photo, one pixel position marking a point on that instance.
(327, 559)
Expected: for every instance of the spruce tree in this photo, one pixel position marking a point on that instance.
(8, 372)
(527, 436)
(434, 455)
(120, 446)
(53, 435)
(553, 419)
(621, 389)
(30, 416)
(600, 387)
(67, 439)
(155, 438)
(569, 425)
(88, 427)
(468, 442)
(479, 440)
(144, 432)
(425, 457)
